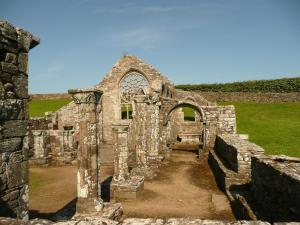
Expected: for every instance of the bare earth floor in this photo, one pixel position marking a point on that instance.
(184, 187)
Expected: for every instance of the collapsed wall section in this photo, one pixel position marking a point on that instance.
(15, 44)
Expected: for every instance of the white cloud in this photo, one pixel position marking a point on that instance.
(141, 37)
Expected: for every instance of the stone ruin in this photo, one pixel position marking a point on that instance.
(132, 120)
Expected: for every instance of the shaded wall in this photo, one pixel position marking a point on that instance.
(15, 44)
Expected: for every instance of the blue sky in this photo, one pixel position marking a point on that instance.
(189, 41)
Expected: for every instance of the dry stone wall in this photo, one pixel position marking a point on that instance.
(15, 44)
(276, 187)
(250, 97)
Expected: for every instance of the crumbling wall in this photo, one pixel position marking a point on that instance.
(57, 147)
(15, 44)
(276, 187)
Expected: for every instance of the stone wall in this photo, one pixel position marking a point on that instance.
(56, 147)
(230, 160)
(50, 96)
(15, 44)
(250, 97)
(218, 120)
(276, 187)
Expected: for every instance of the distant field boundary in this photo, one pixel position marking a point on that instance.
(283, 85)
(251, 97)
(50, 96)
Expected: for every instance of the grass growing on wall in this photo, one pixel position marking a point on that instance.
(37, 108)
(274, 126)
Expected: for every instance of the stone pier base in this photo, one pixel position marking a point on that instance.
(112, 211)
(128, 189)
(147, 172)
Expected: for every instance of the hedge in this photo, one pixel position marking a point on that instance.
(277, 86)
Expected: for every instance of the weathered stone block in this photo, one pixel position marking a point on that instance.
(7, 31)
(17, 174)
(8, 67)
(14, 128)
(20, 86)
(5, 77)
(23, 61)
(10, 58)
(13, 109)
(10, 144)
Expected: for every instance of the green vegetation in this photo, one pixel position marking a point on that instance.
(275, 127)
(39, 107)
(278, 86)
(189, 113)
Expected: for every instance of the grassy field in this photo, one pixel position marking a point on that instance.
(38, 108)
(275, 127)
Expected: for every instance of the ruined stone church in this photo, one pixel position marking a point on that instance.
(132, 120)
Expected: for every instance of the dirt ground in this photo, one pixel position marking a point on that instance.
(184, 187)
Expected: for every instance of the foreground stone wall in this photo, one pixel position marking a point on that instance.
(15, 44)
(136, 221)
(251, 97)
(276, 187)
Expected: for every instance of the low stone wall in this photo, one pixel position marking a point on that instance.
(134, 221)
(53, 147)
(50, 96)
(236, 153)
(250, 97)
(276, 187)
(230, 161)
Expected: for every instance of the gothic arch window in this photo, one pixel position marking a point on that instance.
(130, 85)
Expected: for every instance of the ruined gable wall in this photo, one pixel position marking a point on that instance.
(15, 44)
(110, 99)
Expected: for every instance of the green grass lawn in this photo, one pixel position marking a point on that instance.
(274, 126)
(38, 108)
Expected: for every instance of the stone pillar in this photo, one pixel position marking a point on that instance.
(120, 137)
(88, 184)
(154, 137)
(15, 44)
(41, 146)
(123, 185)
(142, 132)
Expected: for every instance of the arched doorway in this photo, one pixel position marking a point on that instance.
(185, 126)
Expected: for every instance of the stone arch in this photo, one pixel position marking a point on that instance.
(179, 104)
(193, 105)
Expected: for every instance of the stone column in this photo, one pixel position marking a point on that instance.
(41, 146)
(15, 44)
(154, 130)
(88, 188)
(120, 137)
(141, 119)
(123, 185)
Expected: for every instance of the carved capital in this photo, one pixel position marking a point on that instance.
(85, 96)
